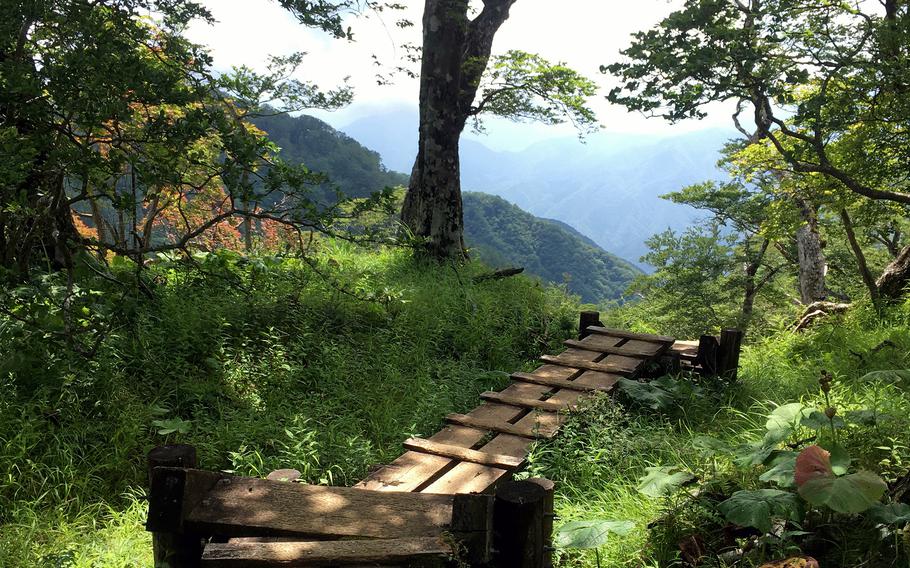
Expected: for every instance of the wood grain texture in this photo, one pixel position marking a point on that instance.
(539, 430)
(530, 403)
(462, 454)
(243, 506)
(628, 352)
(560, 383)
(630, 334)
(328, 553)
(606, 366)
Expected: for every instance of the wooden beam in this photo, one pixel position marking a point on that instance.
(518, 523)
(624, 351)
(630, 334)
(558, 383)
(549, 405)
(324, 553)
(579, 363)
(499, 426)
(462, 454)
(171, 545)
(244, 506)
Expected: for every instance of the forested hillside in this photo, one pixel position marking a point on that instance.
(501, 234)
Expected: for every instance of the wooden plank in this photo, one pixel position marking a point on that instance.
(630, 334)
(243, 506)
(498, 426)
(590, 346)
(560, 383)
(550, 405)
(474, 478)
(462, 454)
(414, 469)
(323, 553)
(620, 367)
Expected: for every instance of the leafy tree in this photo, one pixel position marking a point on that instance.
(455, 86)
(826, 81)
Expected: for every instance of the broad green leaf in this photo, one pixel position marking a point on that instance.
(663, 480)
(647, 394)
(817, 420)
(840, 459)
(891, 514)
(590, 534)
(709, 446)
(172, 425)
(785, 418)
(891, 376)
(865, 417)
(781, 470)
(850, 494)
(758, 508)
(758, 453)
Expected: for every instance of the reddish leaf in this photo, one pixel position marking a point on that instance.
(813, 463)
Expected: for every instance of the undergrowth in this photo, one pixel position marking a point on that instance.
(262, 364)
(603, 453)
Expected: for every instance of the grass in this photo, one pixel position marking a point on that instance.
(603, 452)
(262, 364)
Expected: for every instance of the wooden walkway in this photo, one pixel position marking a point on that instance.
(455, 484)
(478, 449)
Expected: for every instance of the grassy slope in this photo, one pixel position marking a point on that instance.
(280, 370)
(598, 479)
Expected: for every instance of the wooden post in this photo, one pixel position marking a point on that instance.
(518, 521)
(472, 525)
(549, 515)
(731, 341)
(585, 320)
(707, 355)
(172, 549)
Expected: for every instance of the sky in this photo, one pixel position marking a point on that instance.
(583, 33)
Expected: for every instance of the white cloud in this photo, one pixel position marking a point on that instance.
(583, 33)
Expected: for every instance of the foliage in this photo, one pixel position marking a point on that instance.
(261, 362)
(504, 234)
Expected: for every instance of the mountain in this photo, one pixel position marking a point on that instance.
(501, 234)
(607, 188)
(357, 170)
(498, 232)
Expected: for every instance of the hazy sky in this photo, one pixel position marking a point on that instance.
(583, 33)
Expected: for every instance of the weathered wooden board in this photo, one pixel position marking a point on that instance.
(609, 365)
(327, 553)
(630, 334)
(539, 430)
(462, 454)
(622, 350)
(559, 383)
(243, 506)
(530, 403)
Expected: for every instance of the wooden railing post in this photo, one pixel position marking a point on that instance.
(549, 515)
(585, 320)
(172, 548)
(518, 525)
(731, 341)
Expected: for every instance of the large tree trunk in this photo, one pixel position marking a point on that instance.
(812, 265)
(455, 55)
(895, 279)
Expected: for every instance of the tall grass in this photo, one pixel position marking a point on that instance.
(263, 364)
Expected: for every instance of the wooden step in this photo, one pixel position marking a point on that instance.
(625, 351)
(602, 367)
(630, 334)
(463, 454)
(499, 426)
(559, 383)
(550, 405)
(324, 553)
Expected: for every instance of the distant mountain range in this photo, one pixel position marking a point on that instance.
(498, 232)
(607, 188)
(502, 234)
